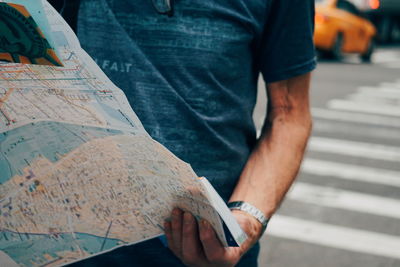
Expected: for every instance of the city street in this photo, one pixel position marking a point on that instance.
(344, 209)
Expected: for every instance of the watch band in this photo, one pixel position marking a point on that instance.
(250, 209)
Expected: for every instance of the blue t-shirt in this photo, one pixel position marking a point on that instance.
(192, 77)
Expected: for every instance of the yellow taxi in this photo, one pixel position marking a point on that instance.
(340, 28)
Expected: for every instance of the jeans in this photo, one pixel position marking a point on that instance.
(151, 253)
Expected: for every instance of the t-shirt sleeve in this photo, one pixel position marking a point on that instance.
(287, 47)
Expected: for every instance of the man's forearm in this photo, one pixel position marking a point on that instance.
(267, 176)
(274, 163)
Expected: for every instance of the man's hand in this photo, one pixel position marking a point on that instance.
(267, 176)
(197, 244)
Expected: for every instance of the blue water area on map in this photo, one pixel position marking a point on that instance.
(51, 140)
(15, 245)
(5, 170)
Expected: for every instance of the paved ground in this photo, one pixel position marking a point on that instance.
(344, 209)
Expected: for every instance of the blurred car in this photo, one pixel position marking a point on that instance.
(341, 28)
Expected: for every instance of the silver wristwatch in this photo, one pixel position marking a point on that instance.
(250, 209)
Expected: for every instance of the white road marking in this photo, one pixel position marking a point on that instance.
(346, 200)
(357, 149)
(391, 85)
(348, 105)
(382, 92)
(380, 57)
(332, 127)
(378, 100)
(335, 236)
(387, 59)
(351, 172)
(345, 116)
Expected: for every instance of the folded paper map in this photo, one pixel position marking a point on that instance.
(79, 175)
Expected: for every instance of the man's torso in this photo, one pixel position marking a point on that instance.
(191, 77)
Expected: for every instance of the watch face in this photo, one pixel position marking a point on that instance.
(21, 40)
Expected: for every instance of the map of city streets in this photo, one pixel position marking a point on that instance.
(79, 175)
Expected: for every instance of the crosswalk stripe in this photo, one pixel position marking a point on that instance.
(352, 148)
(391, 85)
(380, 57)
(351, 172)
(384, 88)
(334, 236)
(345, 116)
(346, 200)
(379, 93)
(329, 127)
(375, 99)
(349, 105)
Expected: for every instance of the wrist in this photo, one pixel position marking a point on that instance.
(249, 224)
(251, 211)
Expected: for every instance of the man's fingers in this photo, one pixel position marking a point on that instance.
(191, 247)
(168, 234)
(176, 227)
(212, 247)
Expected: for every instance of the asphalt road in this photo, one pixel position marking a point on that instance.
(344, 209)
